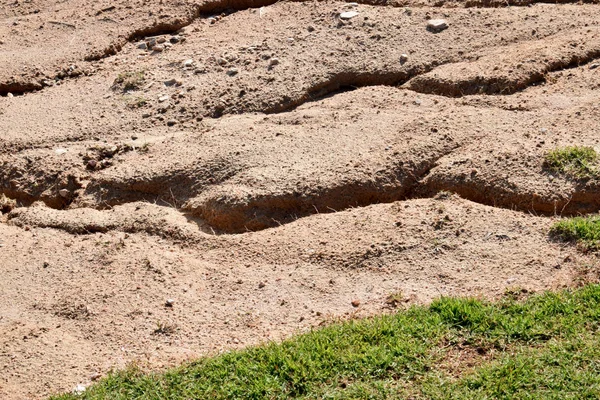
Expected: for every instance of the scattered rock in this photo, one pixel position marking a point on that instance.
(172, 82)
(60, 151)
(64, 193)
(310, 28)
(403, 58)
(160, 40)
(261, 285)
(171, 122)
(355, 303)
(188, 63)
(594, 65)
(164, 98)
(437, 25)
(273, 62)
(95, 376)
(143, 46)
(9, 95)
(176, 39)
(348, 15)
(221, 61)
(158, 48)
(91, 164)
(169, 302)
(232, 72)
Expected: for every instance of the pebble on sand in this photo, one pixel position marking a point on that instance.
(348, 14)
(437, 25)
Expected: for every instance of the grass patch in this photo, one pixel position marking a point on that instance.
(136, 102)
(577, 161)
(585, 231)
(546, 347)
(129, 80)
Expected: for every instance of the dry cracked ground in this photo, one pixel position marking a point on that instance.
(180, 178)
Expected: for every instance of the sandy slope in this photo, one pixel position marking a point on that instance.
(269, 166)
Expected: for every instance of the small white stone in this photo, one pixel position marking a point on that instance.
(163, 98)
(232, 72)
(188, 63)
(9, 95)
(403, 58)
(79, 389)
(64, 193)
(437, 25)
(348, 14)
(60, 151)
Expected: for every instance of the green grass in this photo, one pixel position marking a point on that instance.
(583, 230)
(546, 347)
(576, 161)
(130, 80)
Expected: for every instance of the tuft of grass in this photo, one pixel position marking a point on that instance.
(583, 230)
(164, 328)
(136, 102)
(546, 347)
(129, 80)
(576, 161)
(395, 299)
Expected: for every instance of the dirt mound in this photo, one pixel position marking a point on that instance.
(261, 166)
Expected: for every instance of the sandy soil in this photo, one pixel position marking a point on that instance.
(180, 178)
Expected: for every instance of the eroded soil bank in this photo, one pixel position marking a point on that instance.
(272, 167)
